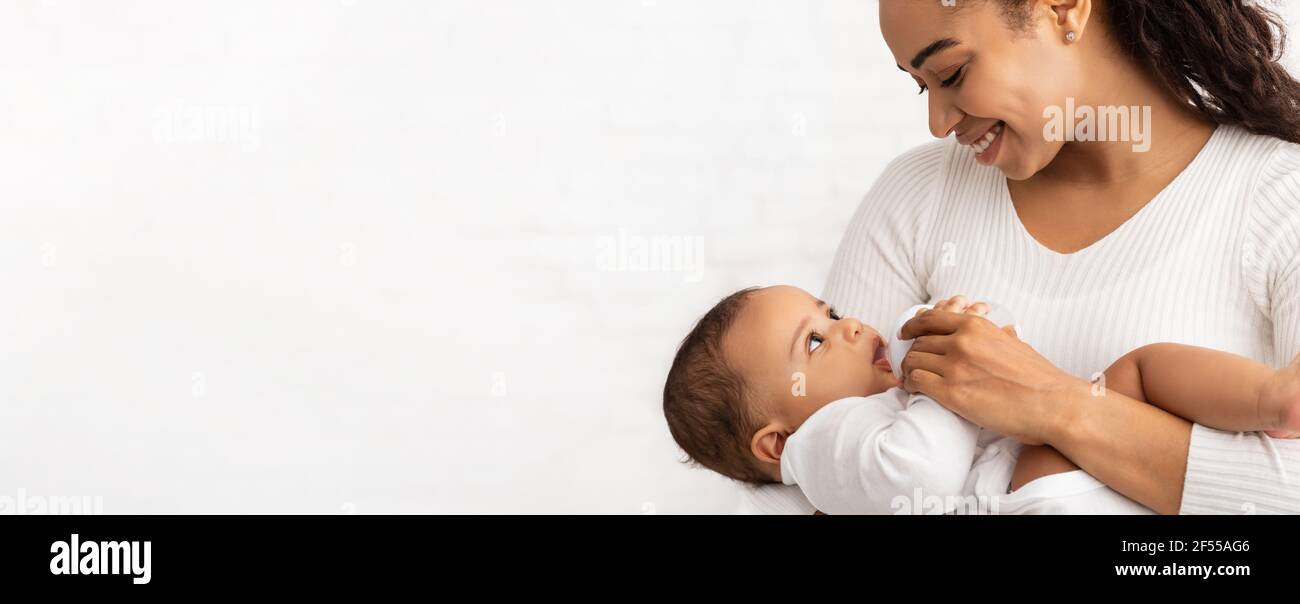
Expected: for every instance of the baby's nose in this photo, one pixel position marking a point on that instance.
(852, 329)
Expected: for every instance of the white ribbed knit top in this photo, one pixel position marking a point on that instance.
(1213, 260)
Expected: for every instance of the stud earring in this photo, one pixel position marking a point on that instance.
(1069, 36)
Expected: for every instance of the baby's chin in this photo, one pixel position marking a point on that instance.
(882, 382)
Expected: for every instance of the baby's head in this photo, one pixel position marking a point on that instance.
(755, 367)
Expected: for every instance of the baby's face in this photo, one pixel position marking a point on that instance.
(799, 356)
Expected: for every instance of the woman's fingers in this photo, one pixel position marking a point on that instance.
(925, 361)
(959, 304)
(933, 344)
(953, 304)
(920, 363)
(932, 323)
(926, 382)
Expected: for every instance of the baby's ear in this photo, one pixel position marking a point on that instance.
(768, 443)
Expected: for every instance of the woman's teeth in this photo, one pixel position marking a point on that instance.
(982, 144)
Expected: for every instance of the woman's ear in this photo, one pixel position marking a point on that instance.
(1071, 17)
(769, 442)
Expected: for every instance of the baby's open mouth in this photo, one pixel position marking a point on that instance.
(881, 357)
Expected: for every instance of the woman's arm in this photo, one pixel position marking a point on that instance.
(1149, 455)
(1136, 449)
(990, 377)
(1160, 460)
(1247, 472)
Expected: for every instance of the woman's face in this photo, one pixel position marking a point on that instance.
(982, 77)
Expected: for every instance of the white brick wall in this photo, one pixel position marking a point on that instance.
(371, 279)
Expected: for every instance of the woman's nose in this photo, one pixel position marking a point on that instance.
(943, 116)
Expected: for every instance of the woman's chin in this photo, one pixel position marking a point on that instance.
(1015, 170)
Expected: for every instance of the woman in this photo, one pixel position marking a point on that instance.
(1175, 218)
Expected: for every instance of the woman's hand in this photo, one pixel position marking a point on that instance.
(959, 304)
(986, 374)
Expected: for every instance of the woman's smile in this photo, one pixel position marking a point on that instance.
(987, 146)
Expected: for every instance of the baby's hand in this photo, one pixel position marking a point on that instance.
(959, 304)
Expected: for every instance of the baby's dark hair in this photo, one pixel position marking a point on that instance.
(707, 402)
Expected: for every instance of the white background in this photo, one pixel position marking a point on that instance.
(354, 256)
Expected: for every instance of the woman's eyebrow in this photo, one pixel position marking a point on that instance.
(926, 52)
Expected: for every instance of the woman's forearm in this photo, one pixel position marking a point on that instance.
(992, 378)
(1136, 449)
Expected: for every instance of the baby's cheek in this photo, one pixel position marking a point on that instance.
(804, 407)
(851, 383)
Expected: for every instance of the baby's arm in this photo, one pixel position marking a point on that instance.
(1036, 461)
(1210, 387)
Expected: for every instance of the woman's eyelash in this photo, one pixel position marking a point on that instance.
(950, 81)
(946, 83)
(833, 315)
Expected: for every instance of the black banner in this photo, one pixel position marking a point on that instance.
(140, 554)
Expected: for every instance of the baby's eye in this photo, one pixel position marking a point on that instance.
(814, 342)
(834, 315)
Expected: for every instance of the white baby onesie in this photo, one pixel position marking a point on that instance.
(898, 453)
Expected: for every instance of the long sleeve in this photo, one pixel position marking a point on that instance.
(861, 455)
(1246, 473)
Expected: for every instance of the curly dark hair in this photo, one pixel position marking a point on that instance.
(707, 402)
(1221, 56)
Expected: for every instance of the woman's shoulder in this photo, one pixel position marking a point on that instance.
(941, 162)
(926, 162)
(1282, 168)
(1270, 245)
(1272, 160)
(1267, 167)
(910, 195)
(913, 176)
(922, 156)
(929, 176)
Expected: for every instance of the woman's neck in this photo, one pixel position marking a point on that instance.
(1174, 130)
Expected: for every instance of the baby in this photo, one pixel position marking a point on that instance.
(771, 386)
